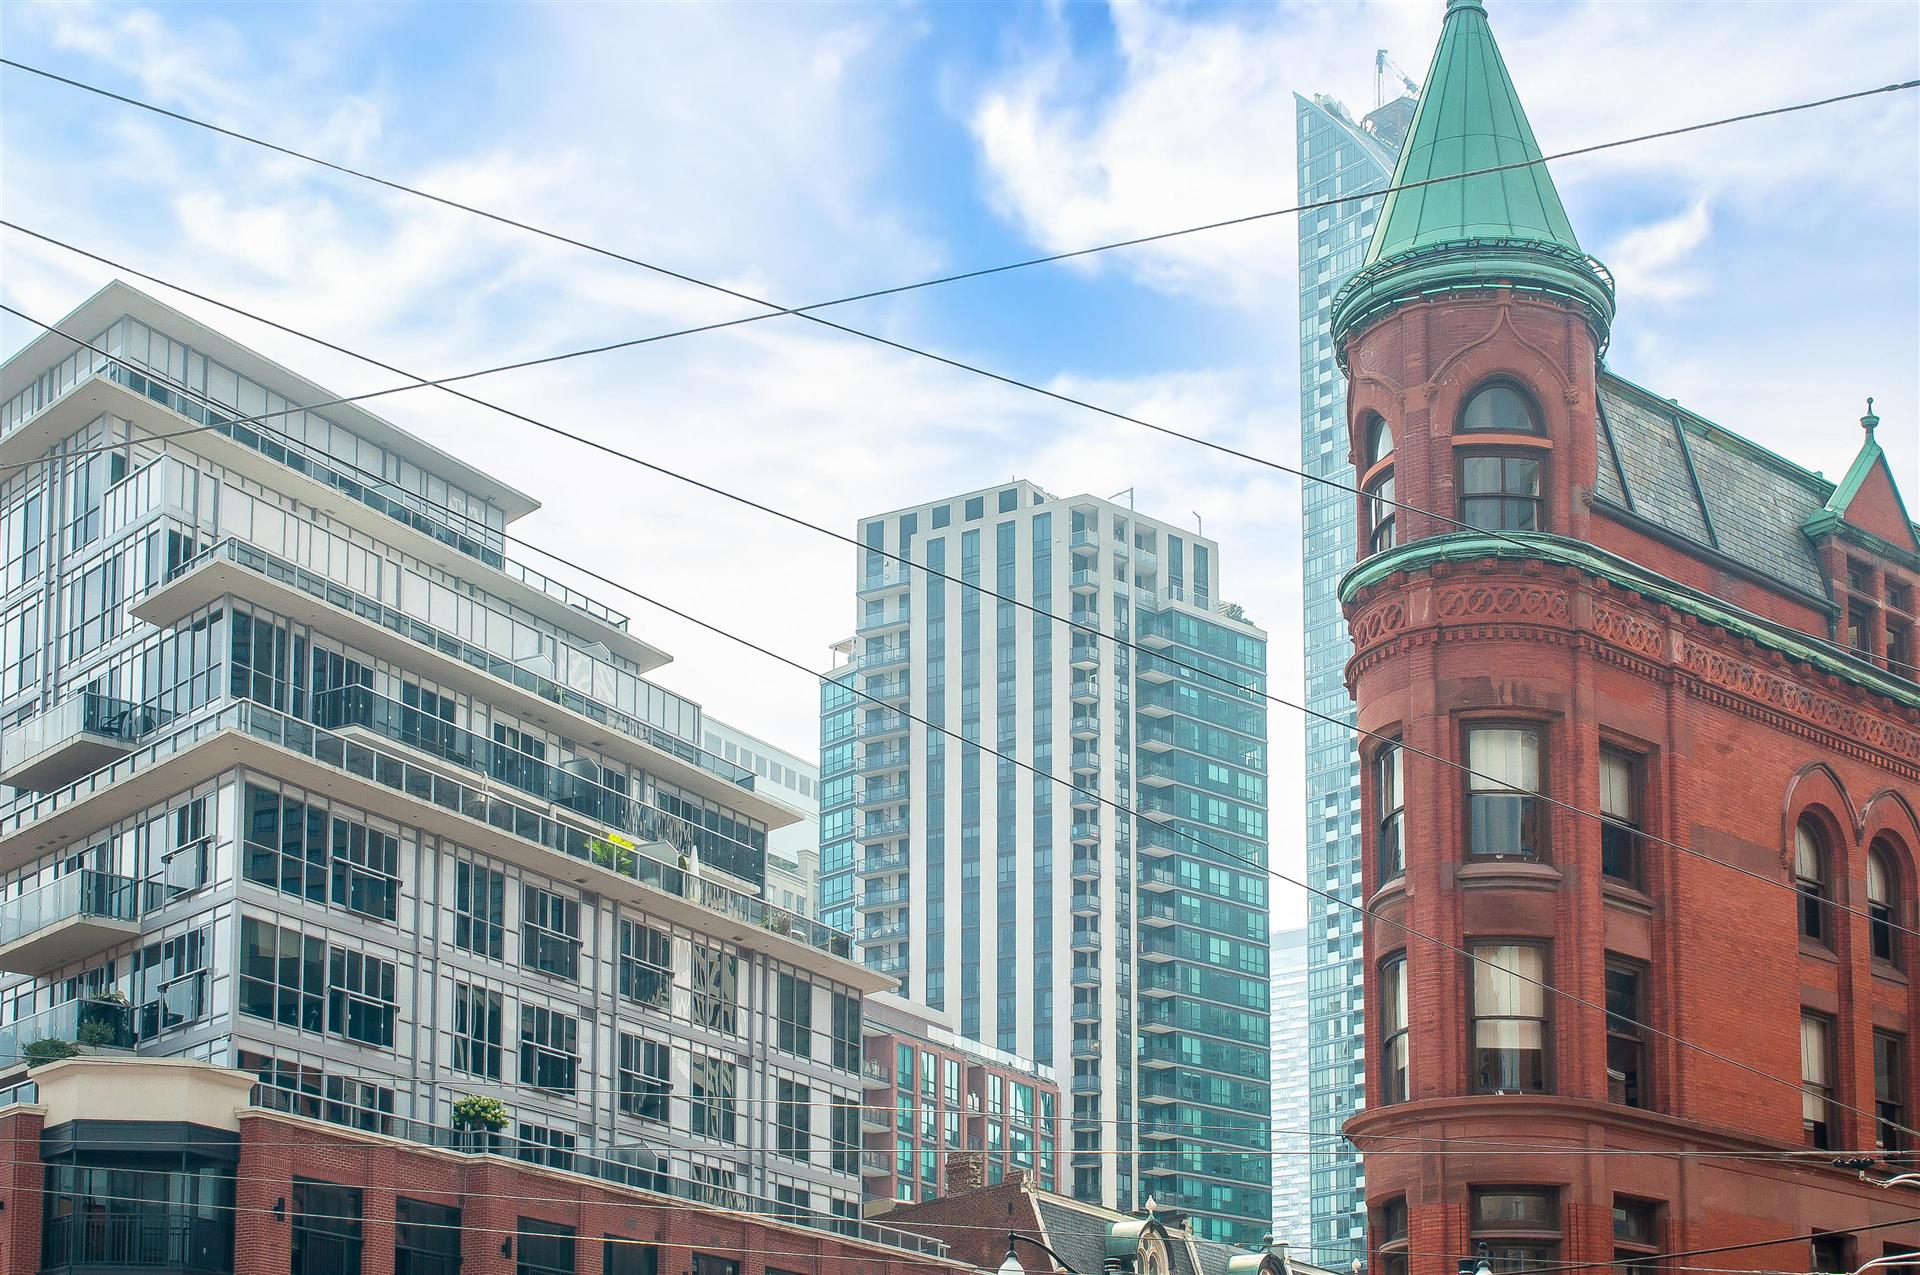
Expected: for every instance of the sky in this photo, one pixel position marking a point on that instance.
(1769, 272)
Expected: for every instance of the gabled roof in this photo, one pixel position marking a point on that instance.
(1469, 118)
(1724, 494)
(1867, 499)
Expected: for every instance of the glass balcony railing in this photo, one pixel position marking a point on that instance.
(76, 731)
(419, 784)
(636, 1166)
(85, 893)
(452, 645)
(93, 1024)
(885, 759)
(883, 898)
(573, 789)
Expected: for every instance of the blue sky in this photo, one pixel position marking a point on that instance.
(1769, 273)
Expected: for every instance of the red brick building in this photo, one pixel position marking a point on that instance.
(1592, 600)
(165, 1166)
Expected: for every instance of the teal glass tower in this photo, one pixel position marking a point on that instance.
(1128, 951)
(1338, 155)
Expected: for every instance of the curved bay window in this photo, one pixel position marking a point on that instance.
(1509, 1018)
(1379, 491)
(1506, 818)
(1500, 491)
(1883, 898)
(1391, 1227)
(1499, 408)
(1811, 878)
(1390, 799)
(1520, 1226)
(1393, 1029)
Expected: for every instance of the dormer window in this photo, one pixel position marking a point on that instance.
(1499, 408)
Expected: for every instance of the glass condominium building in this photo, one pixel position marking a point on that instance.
(305, 776)
(1128, 953)
(1338, 155)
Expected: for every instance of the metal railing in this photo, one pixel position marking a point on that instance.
(106, 1237)
(77, 894)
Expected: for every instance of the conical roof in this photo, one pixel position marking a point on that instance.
(1441, 230)
(1469, 119)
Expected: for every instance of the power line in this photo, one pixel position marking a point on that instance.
(1094, 797)
(1093, 630)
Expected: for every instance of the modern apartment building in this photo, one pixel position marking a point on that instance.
(1292, 1190)
(793, 852)
(308, 778)
(1643, 742)
(1338, 156)
(938, 1104)
(1127, 952)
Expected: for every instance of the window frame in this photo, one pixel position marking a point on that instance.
(1396, 1072)
(1816, 893)
(1819, 1134)
(1536, 424)
(1630, 1030)
(1631, 840)
(1542, 1243)
(1503, 495)
(1379, 504)
(1389, 771)
(1538, 818)
(1883, 924)
(1476, 962)
(1391, 1226)
(1889, 1090)
(1638, 1252)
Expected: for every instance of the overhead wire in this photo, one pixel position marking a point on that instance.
(1116, 806)
(1235, 687)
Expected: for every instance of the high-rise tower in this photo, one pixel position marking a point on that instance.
(1128, 953)
(1338, 156)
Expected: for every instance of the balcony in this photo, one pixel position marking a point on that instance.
(1086, 1009)
(896, 576)
(129, 1234)
(1155, 739)
(1085, 690)
(1085, 941)
(1157, 878)
(1156, 912)
(1145, 559)
(895, 688)
(877, 1074)
(891, 966)
(1085, 761)
(91, 1024)
(1086, 831)
(1085, 1085)
(1084, 651)
(891, 897)
(234, 566)
(886, 759)
(885, 621)
(884, 794)
(75, 737)
(81, 914)
(882, 830)
(394, 784)
(1085, 541)
(876, 1164)
(1158, 774)
(1085, 618)
(1158, 809)
(882, 726)
(1086, 867)
(883, 659)
(886, 932)
(1086, 900)
(879, 865)
(1085, 581)
(1084, 726)
(1084, 973)
(1085, 1048)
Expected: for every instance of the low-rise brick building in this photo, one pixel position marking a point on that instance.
(1641, 762)
(168, 1166)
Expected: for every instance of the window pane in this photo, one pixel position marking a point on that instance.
(1499, 408)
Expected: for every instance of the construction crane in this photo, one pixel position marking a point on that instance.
(1382, 64)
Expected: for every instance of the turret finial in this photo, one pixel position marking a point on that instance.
(1868, 421)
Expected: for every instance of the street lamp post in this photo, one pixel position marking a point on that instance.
(1011, 1266)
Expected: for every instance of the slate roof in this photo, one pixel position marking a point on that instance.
(1078, 1231)
(1708, 486)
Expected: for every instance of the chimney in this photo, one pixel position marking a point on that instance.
(965, 1171)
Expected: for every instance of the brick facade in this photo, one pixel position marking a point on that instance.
(1733, 740)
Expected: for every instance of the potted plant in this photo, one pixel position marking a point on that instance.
(38, 1053)
(476, 1119)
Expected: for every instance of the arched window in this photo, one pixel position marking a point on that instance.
(1379, 440)
(1883, 904)
(1811, 878)
(1379, 492)
(1499, 408)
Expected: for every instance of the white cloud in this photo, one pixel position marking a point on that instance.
(1659, 261)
